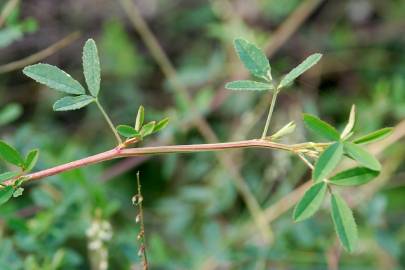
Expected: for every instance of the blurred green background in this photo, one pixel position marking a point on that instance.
(194, 216)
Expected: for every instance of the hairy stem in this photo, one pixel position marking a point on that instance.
(109, 122)
(273, 103)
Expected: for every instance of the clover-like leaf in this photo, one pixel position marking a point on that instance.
(320, 127)
(374, 136)
(91, 67)
(5, 194)
(127, 131)
(354, 177)
(9, 154)
(249, 85)
(345, 225)
(362, 156)
(310, 202)
(301, 68)
(253, 59)
(54, 78)
(327, 161)
(70, 103)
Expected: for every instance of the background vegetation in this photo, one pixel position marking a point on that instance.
(194, 216)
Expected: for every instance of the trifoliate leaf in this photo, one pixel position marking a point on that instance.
(301, 68)
(374, 136)
(353, 177)
(9, 154)
(69, 103)
(345, 225)
(362, 156)
(310, 202)
(54, 78)
(321, 128)
(327, 161)
(10, 113)
(91, 67)
(249, 85)
(253, 59)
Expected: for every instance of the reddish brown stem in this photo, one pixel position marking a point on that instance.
(120, 153)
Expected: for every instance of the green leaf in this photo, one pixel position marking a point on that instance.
(310, 202)
(54, 78)
(253, 59)
(362, 156)
(139, 118)
(148, 129)
(345, 225)
(374, 136)
(161, 125)
(354, 177)
(320, 127)
(8, 175)
(347, 131)
(31, 160)
(9, 154)
(327, 161)
(127, 131)
(69, 103)
(301, 68)
(91, 67)
(248, 85)
(5, 194)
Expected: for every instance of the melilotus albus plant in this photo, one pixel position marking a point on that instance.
(321, 157)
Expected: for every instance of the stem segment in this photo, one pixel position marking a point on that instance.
(273, 103)
(109, 122)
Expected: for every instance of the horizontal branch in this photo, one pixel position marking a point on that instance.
(142, 151)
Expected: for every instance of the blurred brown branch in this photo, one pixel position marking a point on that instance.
(36, 57)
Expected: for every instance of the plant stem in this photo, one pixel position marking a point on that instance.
(109, 122)
(273, 103)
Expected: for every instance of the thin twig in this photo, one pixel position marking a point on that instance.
(36, 57)
(119, 152)
(137, 200)
(270, 114)
(109, 122)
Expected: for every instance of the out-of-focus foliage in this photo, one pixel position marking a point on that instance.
(194, 216)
